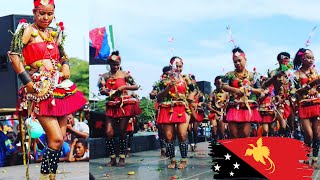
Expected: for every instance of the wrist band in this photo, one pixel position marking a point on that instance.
(24, 77)
(65, 62)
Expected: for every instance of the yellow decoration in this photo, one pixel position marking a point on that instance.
(131, 173)
(39, 64)
(179, 115)
(260, 153)
(27, 67)
(59, 65)
(34, 34)
(171, 111)
(54, 33)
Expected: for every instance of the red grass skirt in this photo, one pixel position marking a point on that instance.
(130, 108)
(64, 103)
(243, 115)
(286, 110)
(212, 116)
(177, 116)
(267, 117)
(310, 109)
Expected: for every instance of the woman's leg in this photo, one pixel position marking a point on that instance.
(245, 130)
(130, 140)
(233, 127)
(170, 135)
(315, 143)
(182, 136)
(213, 130)
(109, 128)
(265, 129)
(195, 132)
(190, 136)
(162, 141)
(49, 164)
(123, 140)
(221, 129)
(307, 132)
(63, 125)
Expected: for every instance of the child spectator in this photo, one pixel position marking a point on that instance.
(81, 150)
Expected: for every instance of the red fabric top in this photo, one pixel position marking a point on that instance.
(39, 51)
(114, 84)
(304, 81)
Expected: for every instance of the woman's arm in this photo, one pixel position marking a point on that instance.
(17, 64)
(162, 94)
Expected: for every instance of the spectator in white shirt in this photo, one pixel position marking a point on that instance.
(79, 129)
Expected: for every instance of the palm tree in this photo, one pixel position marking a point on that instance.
(259, 153)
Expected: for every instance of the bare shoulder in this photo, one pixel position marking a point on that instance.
(105, 75)
(27, 34)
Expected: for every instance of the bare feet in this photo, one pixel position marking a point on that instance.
(121, 162)
(112, 162)
(172, 165)
(182, 165)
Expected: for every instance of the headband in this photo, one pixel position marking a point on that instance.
(42, 2)
(237, 54)
(175, 60)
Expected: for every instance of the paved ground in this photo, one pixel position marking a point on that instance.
(73, 171)
(148, 165)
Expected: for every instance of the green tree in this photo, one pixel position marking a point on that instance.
(79, 74)
(148, 111)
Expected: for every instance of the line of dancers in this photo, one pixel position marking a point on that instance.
(242, 99)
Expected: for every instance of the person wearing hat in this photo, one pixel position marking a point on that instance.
(282, 89)
(120, 106)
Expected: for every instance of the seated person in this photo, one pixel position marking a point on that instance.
(79, 129)
(81, 150)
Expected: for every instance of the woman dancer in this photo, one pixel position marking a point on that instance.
(217, 104)
(119, 107)
(47, 95)
(242, 108)
(309, 100)
(173, 111)
(197, 114)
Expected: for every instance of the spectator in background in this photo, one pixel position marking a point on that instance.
(81, 150)
(79, 129)
(2, 147)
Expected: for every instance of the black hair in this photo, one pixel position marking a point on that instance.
(283, 54)
(193, 77)
(298, 57)
(1, 125)
(166, 69)
(218, 77)
(173, 58)
(115, 53)
(83, 142)
(237, 49)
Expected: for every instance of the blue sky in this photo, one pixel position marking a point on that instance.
(74, 16)
(261, 28)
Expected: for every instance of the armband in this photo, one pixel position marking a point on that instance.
(24, 77)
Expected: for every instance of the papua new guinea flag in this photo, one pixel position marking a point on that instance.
(102, 40)
(260, 158)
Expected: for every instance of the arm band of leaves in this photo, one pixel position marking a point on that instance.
(24, 77)
(66, 62)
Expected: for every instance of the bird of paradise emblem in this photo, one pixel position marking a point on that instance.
(260, 153)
